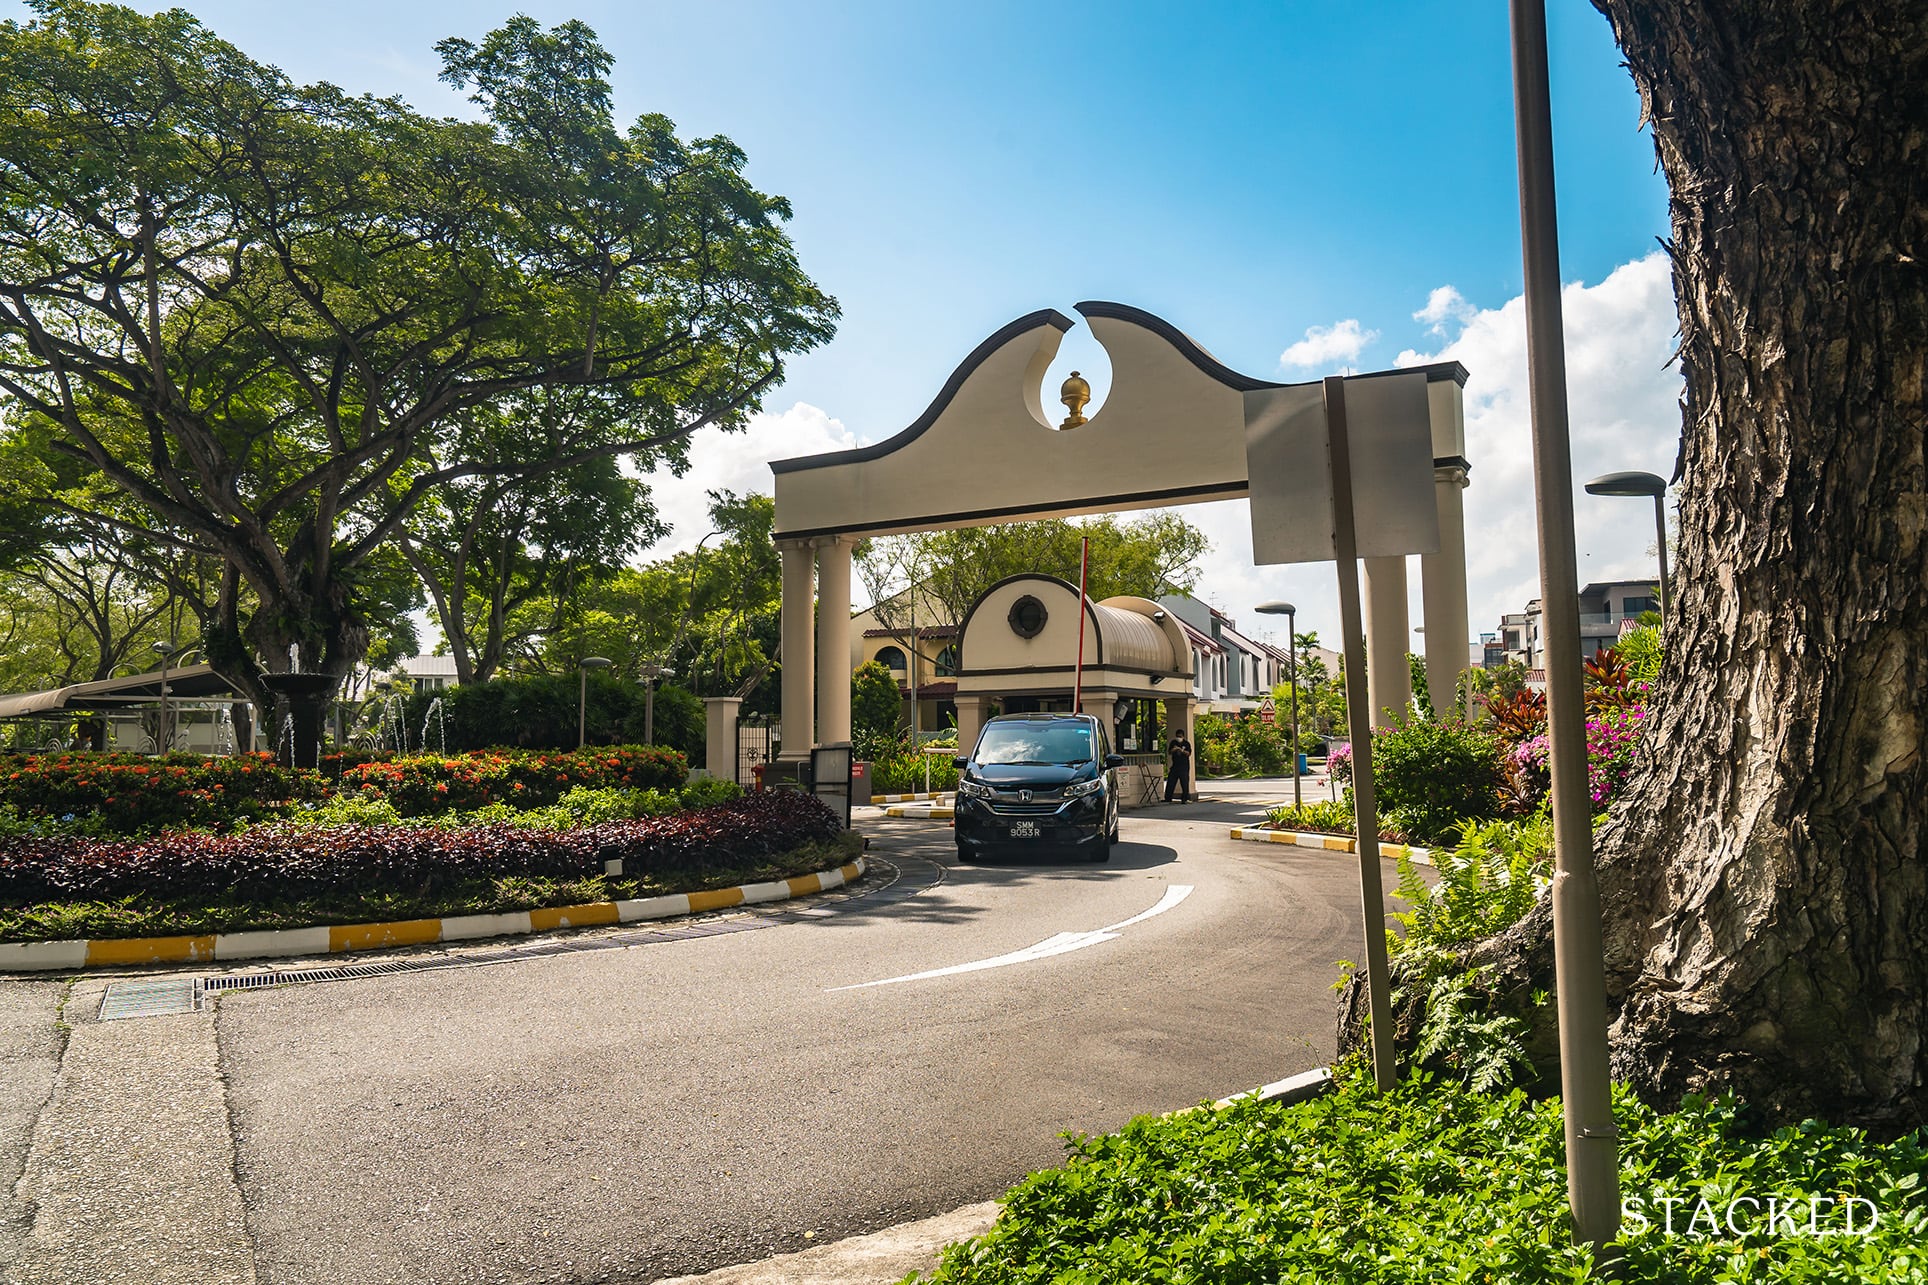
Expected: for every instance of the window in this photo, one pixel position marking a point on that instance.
(1027, 617)
(891, 658)
(947, 662)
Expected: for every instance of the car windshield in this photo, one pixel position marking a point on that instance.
(1035, 744)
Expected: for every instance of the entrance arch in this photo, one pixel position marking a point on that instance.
(1177, 427)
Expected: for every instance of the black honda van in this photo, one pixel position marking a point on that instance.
(1037, 780)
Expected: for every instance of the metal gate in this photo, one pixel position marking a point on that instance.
(752, 748)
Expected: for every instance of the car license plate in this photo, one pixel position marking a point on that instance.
(1024, 829)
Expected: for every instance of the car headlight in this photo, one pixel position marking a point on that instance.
(971, 789)
(1095, 785)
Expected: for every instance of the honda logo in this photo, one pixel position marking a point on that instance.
(1024, 796)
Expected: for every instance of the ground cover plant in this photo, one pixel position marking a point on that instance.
(1437, 1182)
(283, 874)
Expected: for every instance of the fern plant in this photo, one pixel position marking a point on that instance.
(1488, 881)
(1485, 1049)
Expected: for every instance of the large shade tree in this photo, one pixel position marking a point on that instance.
(262, 312)
(1764, 881)
(1767, 889)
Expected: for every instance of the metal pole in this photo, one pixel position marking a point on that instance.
(649, 709)
(912, 662)
(1660, 530)
(582, 706)
(1372, 894)
(167, 659)
(1292, 647)
(1593, 1181)
(1084, 565)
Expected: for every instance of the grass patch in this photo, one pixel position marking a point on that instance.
(145, 916)
(1435, 1182)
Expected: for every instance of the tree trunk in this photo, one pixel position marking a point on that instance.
(1767, 901)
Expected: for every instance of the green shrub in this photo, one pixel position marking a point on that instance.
(1436, 1182)
(433, 784)
(903, 771)
(708, 791)
(1239, 746)
(1640, 651)
(876, 702)
(540, 712)
(1430, 776)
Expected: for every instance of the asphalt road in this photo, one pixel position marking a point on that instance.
(623, 1115)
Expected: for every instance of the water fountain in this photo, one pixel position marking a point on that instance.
(304, 701)
(440, 719)
(224, 741)
(391, 725)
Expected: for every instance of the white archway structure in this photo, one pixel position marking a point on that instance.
(1174, 429)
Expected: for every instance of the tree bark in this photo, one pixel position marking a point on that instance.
(1767, 900)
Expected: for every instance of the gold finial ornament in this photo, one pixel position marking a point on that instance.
(1075, 393)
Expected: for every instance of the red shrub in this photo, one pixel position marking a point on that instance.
(273, 861)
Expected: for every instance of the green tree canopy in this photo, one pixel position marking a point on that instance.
(1146, 556)
(259, 317)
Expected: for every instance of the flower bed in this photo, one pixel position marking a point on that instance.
(420, 784)
(281, 861)
(131, 793)
(127, 794)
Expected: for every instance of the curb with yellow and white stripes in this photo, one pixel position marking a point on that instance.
(939, 796)
(1331, 842)
(49, 956)
(923, 811)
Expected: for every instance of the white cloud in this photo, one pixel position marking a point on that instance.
(1327, 346)
(1623, 403)
(737, 462)
(1443, 305)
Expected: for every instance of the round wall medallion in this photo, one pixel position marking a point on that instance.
(1027, 617)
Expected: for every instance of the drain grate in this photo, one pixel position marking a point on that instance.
(155, 997)
(290, 976)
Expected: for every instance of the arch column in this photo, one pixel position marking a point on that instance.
(833, 638)
(799, 648)
(1442, 587)
(970, 721)
(1389, 682)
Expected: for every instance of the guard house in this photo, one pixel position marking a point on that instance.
(1019, 654)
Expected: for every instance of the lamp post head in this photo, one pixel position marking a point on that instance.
(1276, 609)
(166, 650)
(1646, 484)
(595, 662)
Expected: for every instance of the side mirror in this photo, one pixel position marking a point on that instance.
(959, 762)
(1114, 760)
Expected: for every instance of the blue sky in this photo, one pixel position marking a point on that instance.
(1252, 172)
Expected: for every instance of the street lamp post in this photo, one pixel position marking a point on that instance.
(651, 672)
(1642, 484)
(582, 694)
(166, 651)
(1291, 614)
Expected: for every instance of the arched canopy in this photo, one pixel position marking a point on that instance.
(1172, 431)
(1021, 637)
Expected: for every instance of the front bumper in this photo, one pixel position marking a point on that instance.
(1074, 822)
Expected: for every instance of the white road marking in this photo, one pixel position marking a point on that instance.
(1060, 944)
